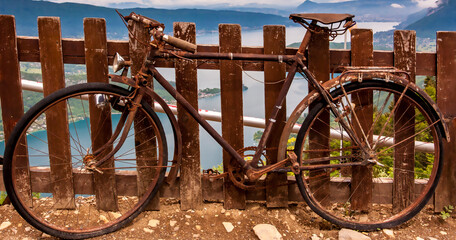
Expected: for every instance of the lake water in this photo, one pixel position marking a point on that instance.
(253, 98)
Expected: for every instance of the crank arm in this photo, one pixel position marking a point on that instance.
(254, 174)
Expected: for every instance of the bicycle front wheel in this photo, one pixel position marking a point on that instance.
(384, 178)
(47, 169)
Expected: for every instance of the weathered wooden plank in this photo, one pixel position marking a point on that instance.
(404, 121)
(100, 117)
(362, 55)
(11, 98)
(58, 137)
(232, 111)
(426, 64)
(145, 149)
(446, 50)
(187, 85)
(126, 186)
(318, 55)
(74, 54)
(274, 43)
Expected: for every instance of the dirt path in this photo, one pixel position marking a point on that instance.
(296, 222)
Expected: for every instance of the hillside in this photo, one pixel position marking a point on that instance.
(366, 10)
(72, 14)
(442, 18)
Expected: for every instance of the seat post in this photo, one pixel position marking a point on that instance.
(306, 40)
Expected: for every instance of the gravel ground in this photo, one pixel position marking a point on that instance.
(212, 222)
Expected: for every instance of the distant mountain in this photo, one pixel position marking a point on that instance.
(72, 14)
(443, 18)
(365, 10)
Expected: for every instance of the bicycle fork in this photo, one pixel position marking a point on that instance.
(124, 125)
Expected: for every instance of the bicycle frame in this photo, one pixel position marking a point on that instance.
(253, 172)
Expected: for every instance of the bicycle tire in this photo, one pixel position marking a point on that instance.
(321, 188)
(83, 216)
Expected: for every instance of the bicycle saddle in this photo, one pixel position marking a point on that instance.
(325, 18)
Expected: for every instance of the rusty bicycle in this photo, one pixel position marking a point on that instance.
(355, 133)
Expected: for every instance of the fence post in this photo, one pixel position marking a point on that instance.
(147, 149)
(362, 54)
(318, 52)
(274, 43)
(191, 195)
(232, 111)
(51, 57)
(96, 59)
(446, 50)
(404, 153)
(11, 96)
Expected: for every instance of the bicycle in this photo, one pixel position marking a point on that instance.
(351, 136)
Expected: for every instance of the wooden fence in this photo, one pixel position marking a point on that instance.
(96, 52)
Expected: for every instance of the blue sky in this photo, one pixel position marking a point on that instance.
(187, 3)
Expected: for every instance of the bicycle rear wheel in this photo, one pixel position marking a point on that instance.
(387, 179)
(46, 159)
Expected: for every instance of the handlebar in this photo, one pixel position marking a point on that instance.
(179, 43)
(158, 34)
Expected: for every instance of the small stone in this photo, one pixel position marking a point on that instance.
(222, 211)
(348, 234)
(228, 226)
(443, 233)
(364, 218)
(196, 235)
(45, 235)
(227, 214)
(116, 215)
(198, 227)
(216, 215)
(176, 229)
(389, 233)
(188, 216)
(255, 207)
(315, 237)
(267, 232)
(293, 217)
(187, 223)
(148, 230)
(432, 238)
(154, 223)
(19, 225)
(27, 229)
(172, 223)
(103, 218)
(5, 225)
(418, 238)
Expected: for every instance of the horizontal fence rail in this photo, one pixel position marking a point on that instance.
(191, 189)
(250, 121)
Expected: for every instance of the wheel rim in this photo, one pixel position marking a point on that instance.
(337, 194)
(86, 214)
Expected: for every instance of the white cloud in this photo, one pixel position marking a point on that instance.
(395, 5)
(177, 3)
(426, 3)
